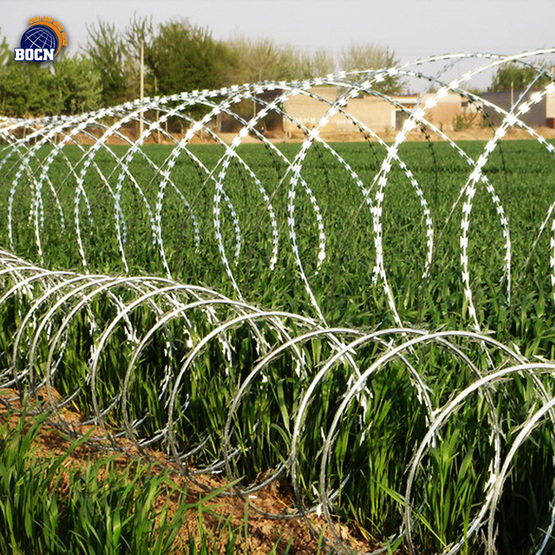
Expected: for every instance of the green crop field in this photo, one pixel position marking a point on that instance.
(307, 331)
(520, 171)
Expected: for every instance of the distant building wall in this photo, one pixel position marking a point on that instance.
(372, 111)
(537, 116)
(377, 114)
(306, 110)
(444, 113)
(550, 110)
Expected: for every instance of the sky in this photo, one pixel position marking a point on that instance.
(411, 28)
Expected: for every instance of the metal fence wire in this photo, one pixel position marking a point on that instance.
(262, 395)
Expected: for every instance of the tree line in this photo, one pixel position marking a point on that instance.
(177, 57)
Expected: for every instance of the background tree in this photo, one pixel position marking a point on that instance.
(322, 63)
(19, 94)
(186, 58)
(264, 60)
(518, 77)
(71, 85)
(78, 84)
(25, 88)
(5, 51)
(371, 56)
(107, 50)
(139, 31)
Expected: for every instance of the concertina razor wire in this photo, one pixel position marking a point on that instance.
(137, 353)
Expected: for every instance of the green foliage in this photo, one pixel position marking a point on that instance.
(182, 57)
(464, 121)
(264, 60)
(108, 52)
(31, 89)
(185, 58)
(68, 86)
(370, 56)
(5, 50)
(65, 503)
(178, 57)
(50, 506)
(138, 35)
(371, 470)
(78, 84)
(23, 90)
(518, 77)
(115, 55)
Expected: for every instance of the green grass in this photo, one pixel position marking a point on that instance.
(371, 473)
(71, 503)
(48, 506)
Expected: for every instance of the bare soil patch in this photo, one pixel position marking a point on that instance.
(256, 533)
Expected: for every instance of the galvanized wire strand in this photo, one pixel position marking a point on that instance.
(68, 288)
(497, 475)
(133, 111)
(53, 316)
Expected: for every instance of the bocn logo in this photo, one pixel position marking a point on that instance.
(41, 41)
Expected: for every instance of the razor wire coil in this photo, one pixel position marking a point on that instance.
(127, 320)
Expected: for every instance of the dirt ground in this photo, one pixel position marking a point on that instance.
(298, 536)
(474, 134)
(278, 137)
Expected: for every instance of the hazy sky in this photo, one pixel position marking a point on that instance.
(412, 28)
